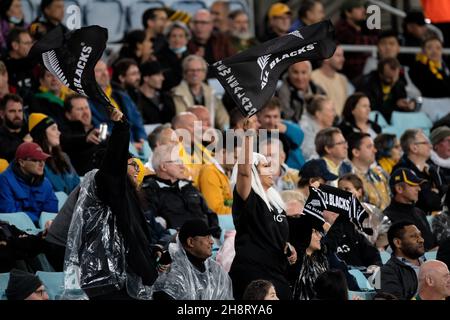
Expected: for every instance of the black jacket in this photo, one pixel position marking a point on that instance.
(20, 76)
(348, 128)
(53, 109)
(399, 211)
(350, 245)
(9, 141)
(73, 142)
(371, 86)
(428, 200)
(398, 279)
(443, 253)
(171, 64)
(178, 202)
(153, 113)
(427, 83)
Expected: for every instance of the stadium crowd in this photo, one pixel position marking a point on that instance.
(134, 204)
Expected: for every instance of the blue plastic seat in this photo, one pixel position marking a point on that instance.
(46, 216)
(109, 14)
(385, 256)
(28, 10)
(225, 223)
(4, 279)
(364, 295)
(190, 6)
(378, 118)
(53, 282)
(21, 220)
(145, 153)
(361, 279)
(431, 255)
(62, 197)
(401, 121)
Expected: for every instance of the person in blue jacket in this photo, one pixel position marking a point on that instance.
(23, 186)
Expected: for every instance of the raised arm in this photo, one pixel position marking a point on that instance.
(244, 176)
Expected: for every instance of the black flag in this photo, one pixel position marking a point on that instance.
(72, 56)
(335, 200)
(251, 76)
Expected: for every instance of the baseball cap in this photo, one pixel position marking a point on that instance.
(278, 9)
(194, 228)
(405, 175)
(31, 150)
(416, 17)
(316, 168)
(439, 134)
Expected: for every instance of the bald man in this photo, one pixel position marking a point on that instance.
(202, 114)
(434, 281)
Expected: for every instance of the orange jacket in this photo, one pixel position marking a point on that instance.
(438, 11)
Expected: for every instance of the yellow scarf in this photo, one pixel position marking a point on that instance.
(434, 66)
(108, 92)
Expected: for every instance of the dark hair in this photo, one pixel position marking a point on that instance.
(153, 137)
(324, 138)
(315, 104)
(430, 38)
(303, 182)
(384, 143)
(273, 103)
(14, 36)
(233, 14)
(68, 101)
(393, 63)
(350, 105)
(388, 34)
(130, 43)
(397, 230)
(331, 285)
(121, 67)
(9, 97)
(257, 290)
(354, 180)
(235, 117)
(354, 142)
(57, 162)
(306, 6)
(150, 14)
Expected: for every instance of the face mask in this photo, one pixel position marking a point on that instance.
(179, 50)
(15, 20)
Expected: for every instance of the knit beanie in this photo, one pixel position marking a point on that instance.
(21, 284)
(37, 123)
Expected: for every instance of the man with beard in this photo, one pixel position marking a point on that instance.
(126, 74)
(399, 275)
(13, 131)
(241, 37)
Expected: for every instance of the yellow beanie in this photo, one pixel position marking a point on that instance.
(38, 121)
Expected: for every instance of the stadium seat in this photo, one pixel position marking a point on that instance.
(29, 11)
(46, 216)
(62, 197)
(378, 118)
(431, 255)
(109, 14)
(225, 223)
(364, 295)
(4, 278)
(53, 282)
(219, 91)
(136, 9)
(190, 6)
(361, 279)
(145, 153)
(402, 121)
(430, 220)
(21, 220)
(385, 256)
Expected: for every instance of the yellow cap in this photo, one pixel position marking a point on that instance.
(278, 9)
(34, 119)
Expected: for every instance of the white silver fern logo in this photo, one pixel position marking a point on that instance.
(51, 62)
(315, 203)
(262, 63)
(297, 34)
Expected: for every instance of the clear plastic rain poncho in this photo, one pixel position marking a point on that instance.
(95, 253)
(185, 282)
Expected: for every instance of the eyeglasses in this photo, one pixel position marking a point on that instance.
(135, 166)
(340, 143)
(423, 142)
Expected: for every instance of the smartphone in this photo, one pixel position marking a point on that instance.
(165, 258)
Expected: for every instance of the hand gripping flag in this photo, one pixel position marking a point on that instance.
(251, 76)
(335, 200)
(72, 56)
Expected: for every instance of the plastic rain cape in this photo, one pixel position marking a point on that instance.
(95, 253)
(185, 282)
